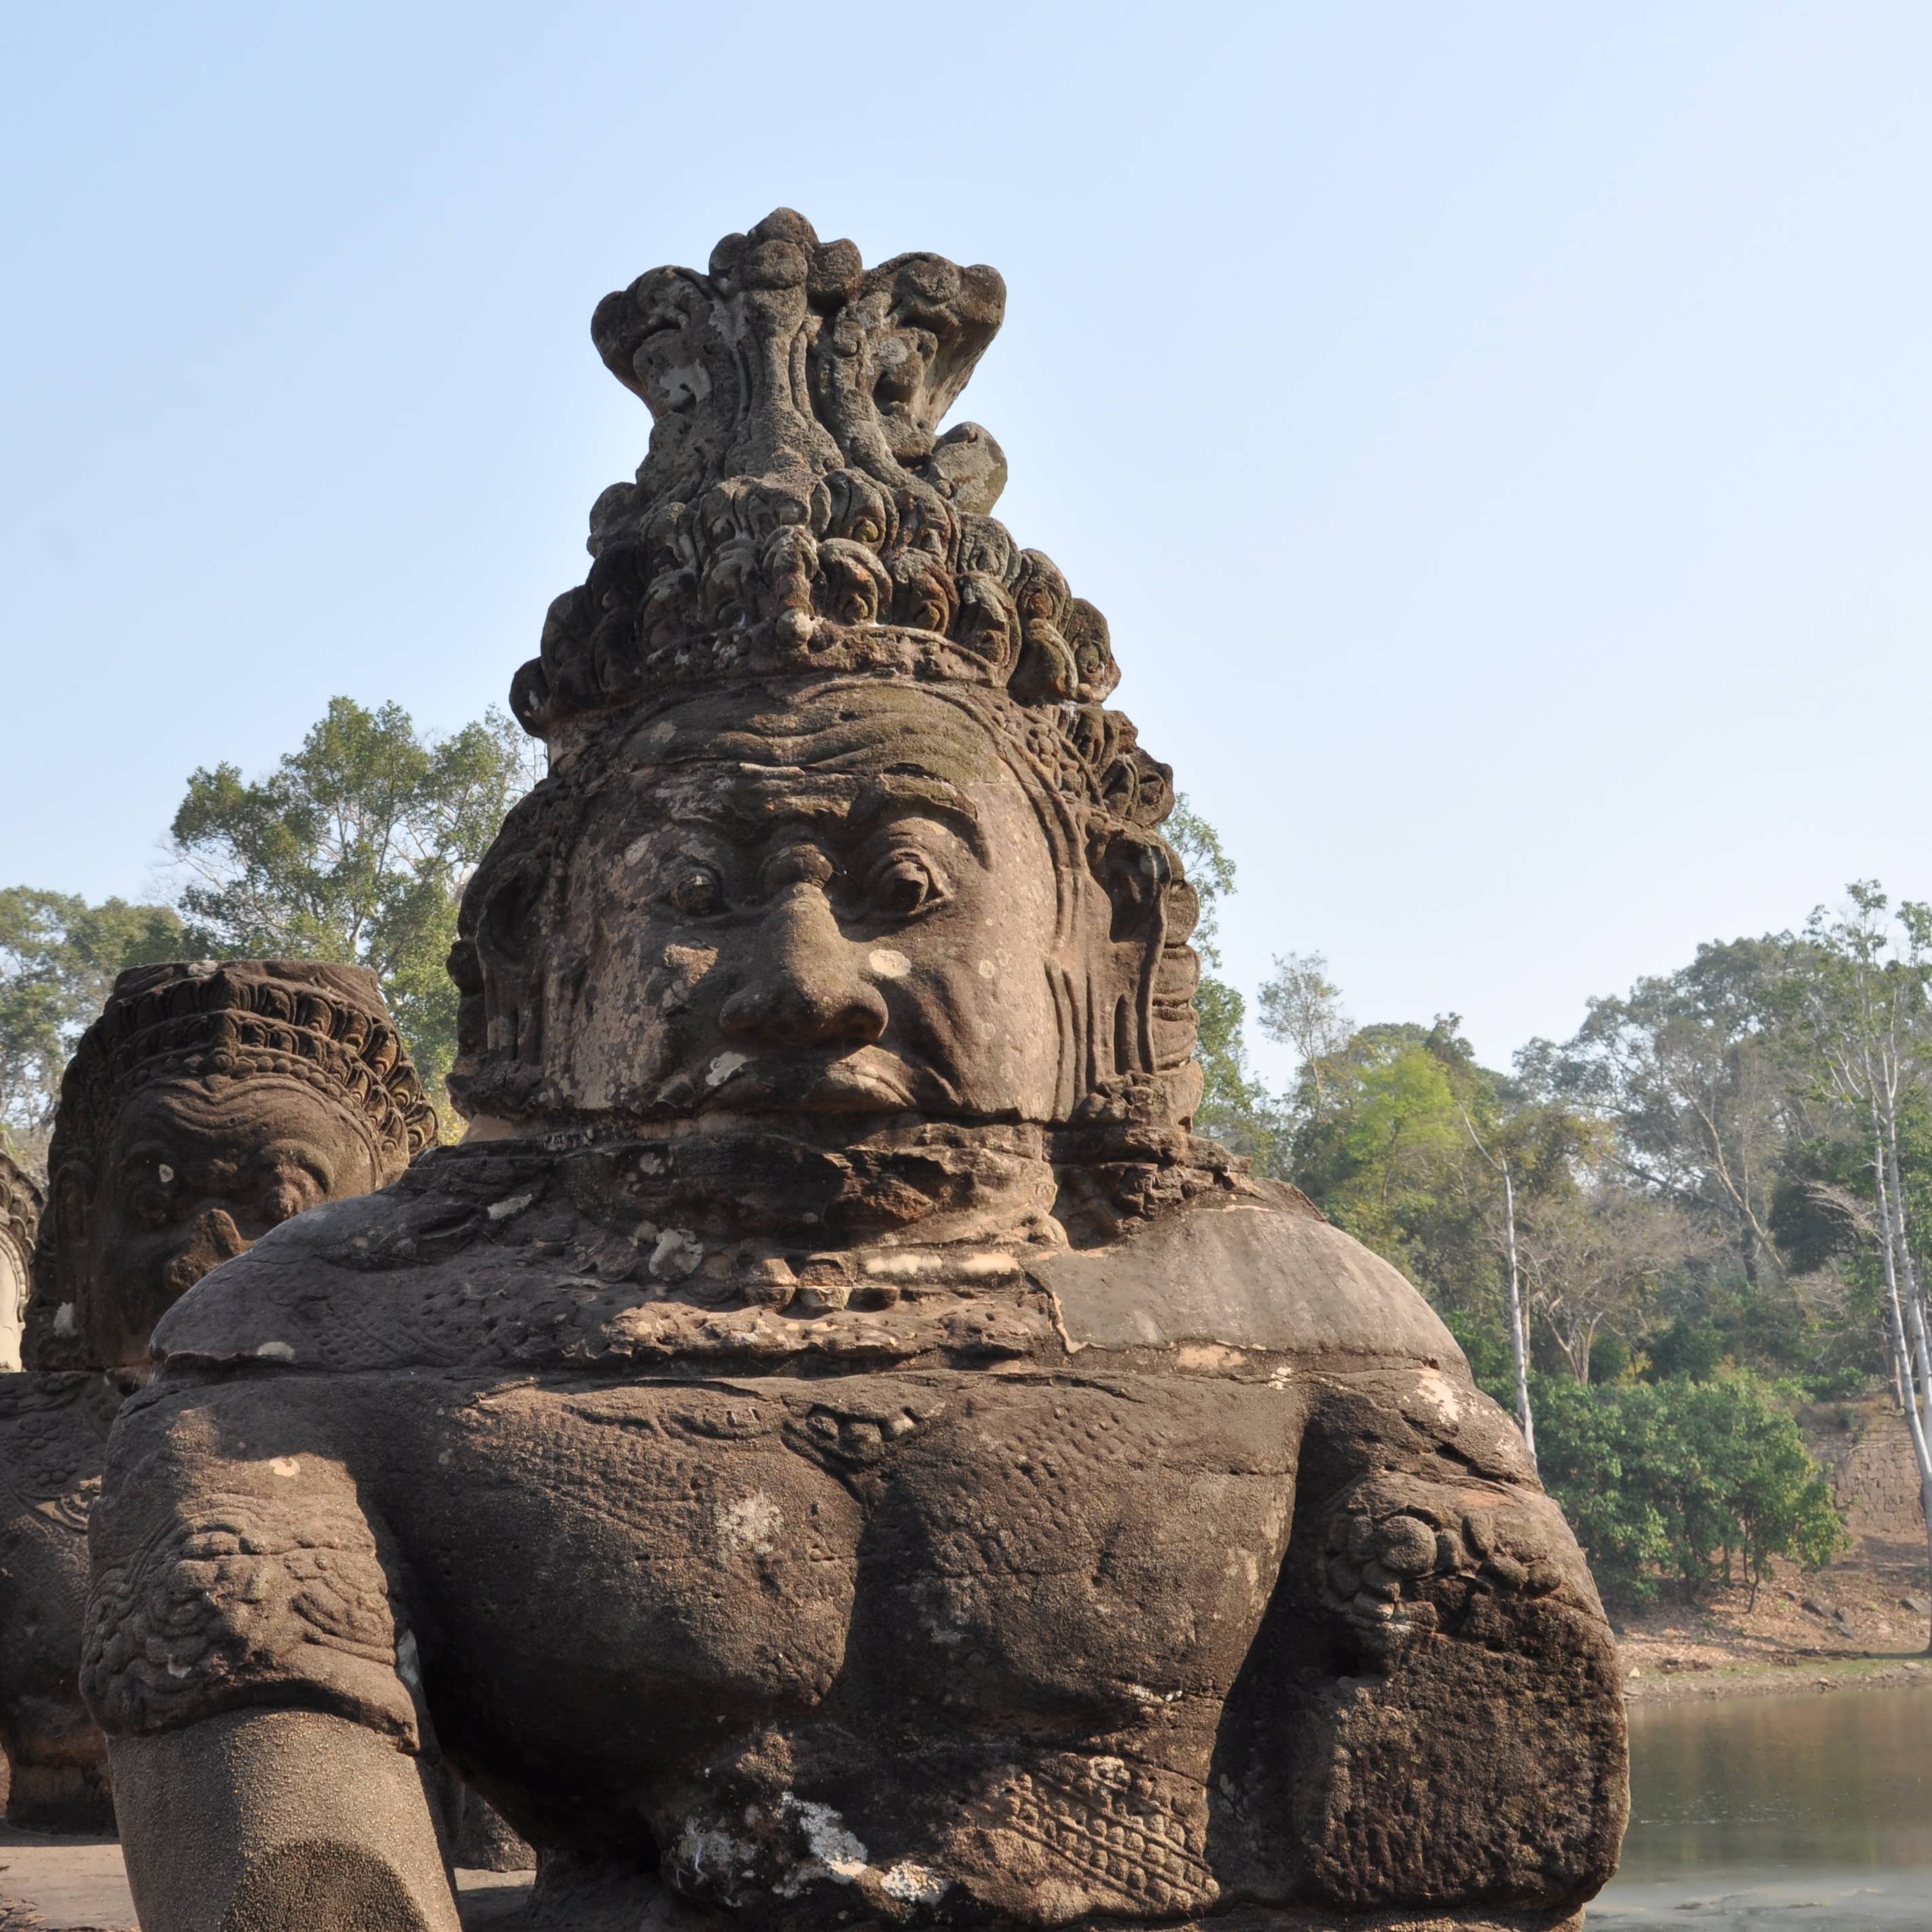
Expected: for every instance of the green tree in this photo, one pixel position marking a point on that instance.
(1749, 1489)
(355, 847)
(1691, 1068)
(1601, 1453)
(1380, 1149)
(1684, 1482)
(58, 957)
(1386, 1134)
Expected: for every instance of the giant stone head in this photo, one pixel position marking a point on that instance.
(210, 1101)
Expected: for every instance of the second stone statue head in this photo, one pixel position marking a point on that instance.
(210, 1101)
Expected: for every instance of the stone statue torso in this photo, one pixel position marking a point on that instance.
(1023, 1534)
(53, 1440)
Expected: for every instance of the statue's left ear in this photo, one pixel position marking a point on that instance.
(1138, 875)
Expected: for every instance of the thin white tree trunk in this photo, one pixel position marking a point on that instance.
(1915, 1299)
(1903, 1366)
(1518, 1341)
(1518, 1324)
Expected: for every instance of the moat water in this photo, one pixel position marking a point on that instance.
(1808, 1812)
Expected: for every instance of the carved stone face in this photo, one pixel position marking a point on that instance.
(195, 1171)
(843, 904)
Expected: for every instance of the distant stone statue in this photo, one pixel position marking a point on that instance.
(207, 1104)
(831, 1448)
(19, 1219)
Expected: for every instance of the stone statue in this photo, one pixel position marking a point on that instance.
(19, 1218)
(208, 1103)
(830, 1448)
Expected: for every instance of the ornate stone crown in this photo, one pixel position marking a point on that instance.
(797, 515)
(798, 520)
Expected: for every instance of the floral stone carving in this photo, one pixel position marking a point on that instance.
(207, 1104)
(831, 1448)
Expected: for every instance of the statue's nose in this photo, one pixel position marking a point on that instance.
(804, 988)
(215, 1239)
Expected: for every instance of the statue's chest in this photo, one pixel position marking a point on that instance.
(50, 1460)
(696, 1559)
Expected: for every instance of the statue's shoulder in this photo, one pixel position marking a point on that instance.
(257, 1303)
(1260, 1269)
(53, 1435)
(33, 1401)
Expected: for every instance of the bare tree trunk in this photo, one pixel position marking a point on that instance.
(1903, 1366)
(1519, 1339)
(1915, 1299)
(1518, 1326)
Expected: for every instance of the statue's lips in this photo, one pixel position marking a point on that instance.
(795, 1083)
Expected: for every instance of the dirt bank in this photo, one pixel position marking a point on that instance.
(1769, 1680)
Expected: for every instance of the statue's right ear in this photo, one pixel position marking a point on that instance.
(73, 1234)
(63, 1269)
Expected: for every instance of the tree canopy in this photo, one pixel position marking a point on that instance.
(355, 847)
(58, 957)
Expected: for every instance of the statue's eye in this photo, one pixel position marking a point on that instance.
(287, 1192)
(903, 885)
(153, 1206)
(695, 890)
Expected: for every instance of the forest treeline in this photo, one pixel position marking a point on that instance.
(1652, 1239)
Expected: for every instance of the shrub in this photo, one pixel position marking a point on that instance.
(1685, 1481)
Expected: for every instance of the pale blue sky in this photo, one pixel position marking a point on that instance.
(1498, 434)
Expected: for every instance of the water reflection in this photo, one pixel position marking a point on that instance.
(1806, 1811)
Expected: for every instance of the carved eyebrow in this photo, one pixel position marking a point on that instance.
(894, 792)
(187, 1159)
(746, 806)
(291, 1154)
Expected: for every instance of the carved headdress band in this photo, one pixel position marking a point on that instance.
(323, 1024)
(797, 515)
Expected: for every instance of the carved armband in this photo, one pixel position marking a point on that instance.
(244, 1604)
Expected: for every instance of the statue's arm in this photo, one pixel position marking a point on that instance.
(248, 1661)
(1431, 1709)
(287, 1818)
